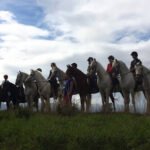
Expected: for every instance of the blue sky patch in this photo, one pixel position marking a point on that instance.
(26, 12)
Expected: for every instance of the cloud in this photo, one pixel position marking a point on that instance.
(70, 31)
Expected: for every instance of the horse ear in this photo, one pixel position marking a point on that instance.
(31, 70)
(68, 66)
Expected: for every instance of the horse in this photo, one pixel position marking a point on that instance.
(44, 88)
(60, 74)
(30, 91)
(104, 83)
(82, 86)
(10, 93)
(127, 83)
(144, 73)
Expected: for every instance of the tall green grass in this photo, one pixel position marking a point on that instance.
(97, 131)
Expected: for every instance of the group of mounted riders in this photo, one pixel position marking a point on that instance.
(70, 85)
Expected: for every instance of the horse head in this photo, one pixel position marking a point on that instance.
(70, 71)
(35, 76)
(19, 79)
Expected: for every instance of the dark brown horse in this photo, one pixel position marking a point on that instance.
(82, 86)
(10, 93)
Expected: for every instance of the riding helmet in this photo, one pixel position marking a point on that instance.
(134, 53)
(90, 58)
(39, 69)
(5, 76)
(111, 57)
(74, 65)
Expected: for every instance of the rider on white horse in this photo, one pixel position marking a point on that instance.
(134, 62)
(112, 71)
(52, 79)
(92, 79)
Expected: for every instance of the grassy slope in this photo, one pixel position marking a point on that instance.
(37, 131)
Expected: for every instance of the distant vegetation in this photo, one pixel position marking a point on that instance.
(23, 130)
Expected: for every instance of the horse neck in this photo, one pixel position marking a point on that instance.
(41, 81)
(101, 71)
(60, 74)
(25, 76)
(26, 84)
(146, 70)
(123, 69)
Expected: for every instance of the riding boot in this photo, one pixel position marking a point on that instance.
(112, 97)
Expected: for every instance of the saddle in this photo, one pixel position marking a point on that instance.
(92, 81)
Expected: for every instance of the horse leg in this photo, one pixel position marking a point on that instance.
(103, 97)
(88, 102)
(29, 101)
(107, 94)
(42, 104)
(15, 102)
(82, 103)
(36, 103)
(8, 104)
(48, 107)
(126, 101)
(133, 100)
(113, 100)
(147, 96)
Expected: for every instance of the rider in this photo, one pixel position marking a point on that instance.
(92, 79)
(113, 73)
(52, 79)
(90, 59)
(135, 61)
(69, 89)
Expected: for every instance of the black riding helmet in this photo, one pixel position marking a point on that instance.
(5, 76)
(39, 69)
(90, 58)
(134, 53)
(111, 57)
(74, 65)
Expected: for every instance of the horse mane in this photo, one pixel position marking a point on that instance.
(38, 74)
(60, 74)
(100, 68)
(75, 72)
(123, 65)
(21, 72)
(145, 69)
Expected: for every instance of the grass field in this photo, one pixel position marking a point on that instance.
(22, 130)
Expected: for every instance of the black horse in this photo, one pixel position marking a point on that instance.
(9, 92)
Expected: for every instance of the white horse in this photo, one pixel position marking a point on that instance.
(31, 90)
(127, 83)
(60, 74)
(44, 88)
(104, 82)
(144, 72)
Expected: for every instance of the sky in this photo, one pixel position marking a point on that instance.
(35, 33)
